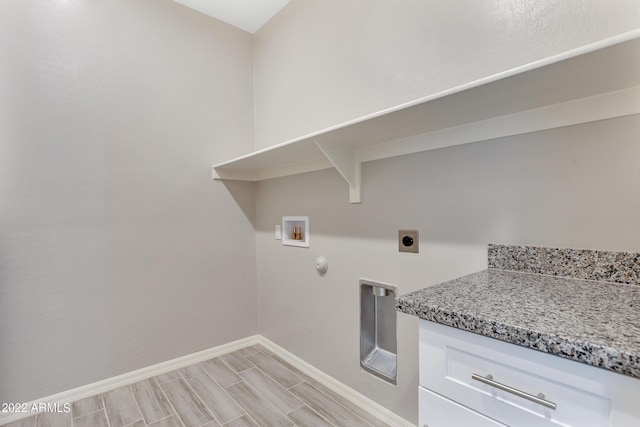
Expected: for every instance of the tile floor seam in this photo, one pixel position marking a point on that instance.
(347, 410)
(248, 361)
(137, 405)
(73, 419)
(104, 408)
(320, 415)
(248, 416)
(287, 368)
(252, 366)
(323, 392)
(128, 388)
(274, 378)
(267, 401)
(231, 385)
(236, 418)
(357, 415)
(315, 412)
(201, 401)
(169, 400)
(158, 420)
(228, 395)
(339, 404)
(266, 398)
(228, 366)
(167, 397)
(105, 413)
(167, 417)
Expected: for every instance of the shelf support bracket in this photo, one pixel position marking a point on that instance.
(347, 163)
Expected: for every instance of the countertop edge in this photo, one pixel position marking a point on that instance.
(600, 356)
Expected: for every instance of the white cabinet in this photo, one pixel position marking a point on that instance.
(436, 411)
(514, 386)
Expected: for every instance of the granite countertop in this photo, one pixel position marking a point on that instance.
(587, 321)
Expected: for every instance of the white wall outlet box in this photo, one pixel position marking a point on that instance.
(295, 231)
(278, 232)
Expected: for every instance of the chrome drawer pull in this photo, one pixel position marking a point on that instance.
(539, 399)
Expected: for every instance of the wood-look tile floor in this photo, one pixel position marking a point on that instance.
(249, 387)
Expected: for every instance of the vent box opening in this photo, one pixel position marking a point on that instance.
(378, 343)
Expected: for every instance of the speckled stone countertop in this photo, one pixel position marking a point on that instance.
(591, 322)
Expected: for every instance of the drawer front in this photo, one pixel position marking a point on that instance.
(437, 411)
(504, 385)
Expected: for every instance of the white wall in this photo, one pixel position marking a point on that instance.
(323, 62)
(571, 187)
(319, 63)
(117, 250)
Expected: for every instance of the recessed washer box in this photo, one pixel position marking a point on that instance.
(295, 231)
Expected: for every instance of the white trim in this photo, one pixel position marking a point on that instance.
(346, 159)
(336, 386)
(132, 377)
(303, 166)
(171, 365)
(582, 50)
(413, 127)
(621, 103)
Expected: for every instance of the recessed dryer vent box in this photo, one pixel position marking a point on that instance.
(295, 231)
(378, 342)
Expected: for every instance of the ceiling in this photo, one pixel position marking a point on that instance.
(248, 15)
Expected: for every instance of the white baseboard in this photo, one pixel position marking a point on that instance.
(151, 371)
(131, 377)
(336, 386)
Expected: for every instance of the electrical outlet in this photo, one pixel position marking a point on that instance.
(408, 241)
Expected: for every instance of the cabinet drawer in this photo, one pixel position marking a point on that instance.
(437, 411)
(458, 366)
